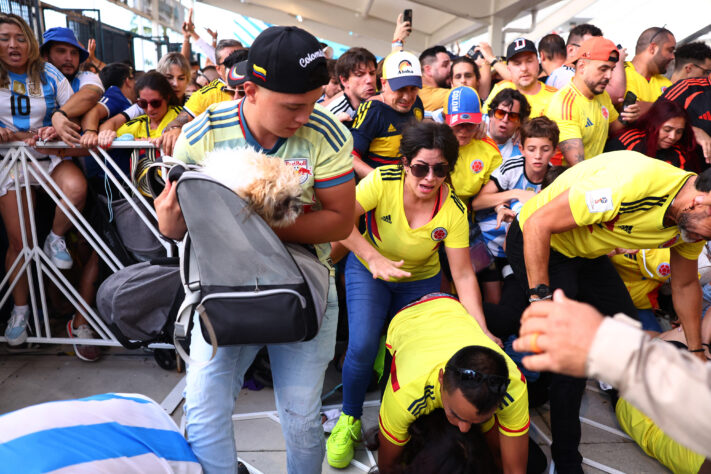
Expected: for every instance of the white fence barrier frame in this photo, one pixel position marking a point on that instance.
(16, 157)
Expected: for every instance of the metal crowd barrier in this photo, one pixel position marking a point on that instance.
(15, 158)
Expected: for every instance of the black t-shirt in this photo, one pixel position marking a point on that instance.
(695, 96)
(636, 140)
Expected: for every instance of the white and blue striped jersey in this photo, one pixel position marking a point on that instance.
(86, 78)
(24, 109)
(112, 432)
(510, 175)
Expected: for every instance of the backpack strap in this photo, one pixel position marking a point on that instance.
(210, 331)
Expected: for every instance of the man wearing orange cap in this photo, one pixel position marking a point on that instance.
(583, 109)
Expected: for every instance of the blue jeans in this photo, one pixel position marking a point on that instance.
(371, 304)
(298, 371)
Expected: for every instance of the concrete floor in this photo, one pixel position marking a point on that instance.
(47, 373)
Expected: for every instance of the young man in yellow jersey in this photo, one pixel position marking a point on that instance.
(522, 59)
(653, 53)
(442, 359)
(563, 234)
(583, 109)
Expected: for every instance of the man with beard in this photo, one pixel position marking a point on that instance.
(356, 72)
(377, 127)
(653, 53)
(61, 48)
(436, 66)
(583, 109)
(522, 63)
(562, 237)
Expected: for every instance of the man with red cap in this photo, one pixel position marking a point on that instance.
(583, 109)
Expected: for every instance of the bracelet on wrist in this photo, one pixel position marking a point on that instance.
(696, 350)
(61, 112)
(494, 61)
(91, 130)
(533, 299)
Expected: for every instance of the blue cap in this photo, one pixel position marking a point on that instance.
(462, 106)
(62, 35)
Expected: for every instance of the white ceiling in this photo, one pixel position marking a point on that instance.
(370, 23)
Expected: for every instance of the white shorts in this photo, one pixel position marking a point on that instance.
(7, 181)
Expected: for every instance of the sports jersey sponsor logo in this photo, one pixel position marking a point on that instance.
(303, 62)
(439, 234)
(664, 269)
(476, 166)
(599, 200)
(626, 228)
(605, 112)
(386, 219)
(706, 116)
(670, 242)
(405, 67)
(301, 166)
(588, 123)
(18, 87)
(417, 112)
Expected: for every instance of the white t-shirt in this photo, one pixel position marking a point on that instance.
(86, 78)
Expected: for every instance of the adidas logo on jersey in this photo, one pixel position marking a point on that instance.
(626, 228)
(386, 219)
(706, 116)
(588, 123)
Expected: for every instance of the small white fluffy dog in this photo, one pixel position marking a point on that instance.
(270, 186)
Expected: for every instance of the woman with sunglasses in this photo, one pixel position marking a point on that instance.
(31, 91)
(410, 211)
(157, 98)
(663, 132)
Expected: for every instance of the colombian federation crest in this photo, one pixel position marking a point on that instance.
(605, 112)
(439, 234)
(664, 269)
(476, 166)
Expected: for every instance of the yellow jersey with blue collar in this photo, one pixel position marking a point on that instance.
(646, 90)
(538, 101)
(140, 127)
(477, 160)
(618, 200)
(320, 151)
(381, 196)
(580, 117)
(643, 273)
(214, 92)
(422, 337)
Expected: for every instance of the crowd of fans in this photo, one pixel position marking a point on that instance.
(498, 179)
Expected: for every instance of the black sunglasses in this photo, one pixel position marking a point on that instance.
(496, 383)
(420, 170)
(155, 103)
(499, 114)
(663, 29)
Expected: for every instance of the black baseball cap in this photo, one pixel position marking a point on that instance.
(287, 59)
(236, 75)
(520, 45)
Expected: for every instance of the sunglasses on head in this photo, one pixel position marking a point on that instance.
(155, 103)
(499, 114)
(420, 170)
(496, 383)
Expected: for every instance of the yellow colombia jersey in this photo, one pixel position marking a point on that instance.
(654, 442)
(320, 151)
(643, 272)
(214, 92)
(476, 161)
(381, 196)
(140, 127)
(433, 98)
(645, 90)
(538, 101)
(618, 200)
(422, 338)
(580, 117)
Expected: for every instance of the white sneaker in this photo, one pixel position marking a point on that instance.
(85, 352)
(56, 250)
(16, 330)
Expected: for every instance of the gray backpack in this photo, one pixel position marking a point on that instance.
(247, 286)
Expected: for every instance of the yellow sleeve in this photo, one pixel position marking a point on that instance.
(370, 190)
(495, 159)
(614, 114)
(569, 127)
(196, 104)
(594, 200)
(394, 420)
(458, 235)
(690, 251)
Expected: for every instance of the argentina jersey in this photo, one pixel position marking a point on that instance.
(29, 106)
(86, 78)
(510, 175)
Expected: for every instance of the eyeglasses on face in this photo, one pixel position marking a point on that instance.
(496, 383)
(499, 114)
(420, 170)
(704, 70)
(155, 103)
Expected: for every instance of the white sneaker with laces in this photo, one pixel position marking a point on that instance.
(16, 330)
(56, 250)
(85, 352)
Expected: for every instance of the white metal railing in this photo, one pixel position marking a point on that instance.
(16, 159)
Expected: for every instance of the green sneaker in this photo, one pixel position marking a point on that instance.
(340, 446)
